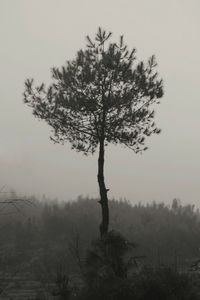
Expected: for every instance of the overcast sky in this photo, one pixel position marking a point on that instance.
(37, 35)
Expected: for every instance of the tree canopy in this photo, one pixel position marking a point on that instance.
(101, 94)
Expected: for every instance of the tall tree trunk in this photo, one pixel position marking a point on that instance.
(103, 191)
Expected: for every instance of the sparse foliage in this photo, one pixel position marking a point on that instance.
(108, 258)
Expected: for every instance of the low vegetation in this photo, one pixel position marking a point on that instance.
(149, 249)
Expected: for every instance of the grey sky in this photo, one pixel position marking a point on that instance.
(37, 35)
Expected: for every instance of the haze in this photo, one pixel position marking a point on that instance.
(37, 35)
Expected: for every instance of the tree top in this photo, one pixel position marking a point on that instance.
(101, 95)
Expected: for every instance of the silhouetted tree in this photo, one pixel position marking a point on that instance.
(98, 98)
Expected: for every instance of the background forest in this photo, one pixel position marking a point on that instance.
(48, 232)
(47, 241)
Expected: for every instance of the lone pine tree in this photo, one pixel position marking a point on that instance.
(102, 96)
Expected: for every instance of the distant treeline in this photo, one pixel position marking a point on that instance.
(47, 233)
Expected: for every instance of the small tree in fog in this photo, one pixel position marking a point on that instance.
(100, 97)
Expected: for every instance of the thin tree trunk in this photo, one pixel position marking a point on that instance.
(103, 191)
